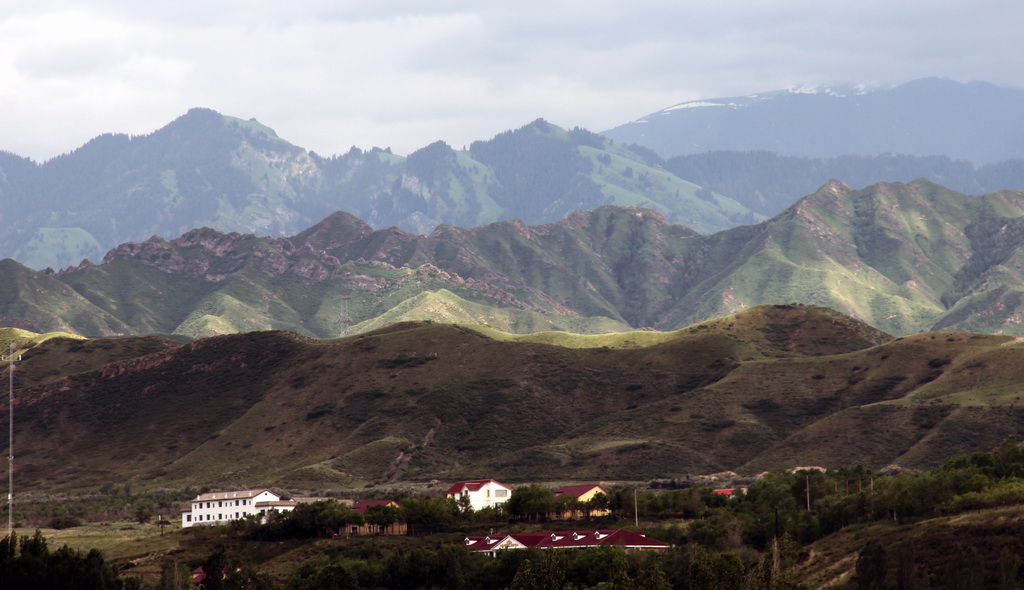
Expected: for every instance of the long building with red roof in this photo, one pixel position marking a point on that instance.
(564, 540)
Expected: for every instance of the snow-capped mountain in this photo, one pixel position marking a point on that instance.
(973, 121)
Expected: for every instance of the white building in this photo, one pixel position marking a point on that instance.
(223, 507)
(481, 493)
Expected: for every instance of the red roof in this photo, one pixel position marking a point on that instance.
(568, 539)
(362, 505)
(470, 486)
(577, 491)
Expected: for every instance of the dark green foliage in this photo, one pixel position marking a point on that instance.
(33, 566)
(966, 570)
(305, 521)
(871, 569)
(64, 522)
(531, 502)
(174, 576)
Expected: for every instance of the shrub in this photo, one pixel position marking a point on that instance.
(64, 522)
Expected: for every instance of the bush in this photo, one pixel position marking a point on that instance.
(64, 522)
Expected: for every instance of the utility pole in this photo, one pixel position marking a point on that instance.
(636, 513)
(10, 442)
(807, 483)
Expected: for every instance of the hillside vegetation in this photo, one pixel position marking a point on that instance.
(904, 258)
(772, 386)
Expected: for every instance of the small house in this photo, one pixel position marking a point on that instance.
(480, 493)
(581, 501)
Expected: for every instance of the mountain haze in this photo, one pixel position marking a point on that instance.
(977, 121)
(209, 170)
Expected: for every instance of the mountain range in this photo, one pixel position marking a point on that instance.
(209, 170)
(905, 258)
(977, 122)
(234, 175)
(770, 387)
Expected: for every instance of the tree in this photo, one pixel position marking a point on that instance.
(34, 566)
(383, 515)
(652, 578)
(966, 569)
(871, 567)
(174, 576)
(543, 573)
(597, 503)
(142, 512)
(774, 571)
(215, 566)
(531, 502)
(1009, 569)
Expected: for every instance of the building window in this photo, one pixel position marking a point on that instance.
(500, 493)
(188, 518)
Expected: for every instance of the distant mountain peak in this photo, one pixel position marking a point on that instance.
(974, 121)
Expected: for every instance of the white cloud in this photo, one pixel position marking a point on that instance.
(403, 73)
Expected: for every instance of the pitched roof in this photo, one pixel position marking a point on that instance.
(577, 491)
(362, 505)
(471, 486)
(565, 539)
(276, 504)
(236, 495)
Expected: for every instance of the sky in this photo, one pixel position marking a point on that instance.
(331, 74)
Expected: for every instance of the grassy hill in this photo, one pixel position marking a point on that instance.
(773, 386)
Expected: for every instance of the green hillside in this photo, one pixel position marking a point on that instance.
(904, 258)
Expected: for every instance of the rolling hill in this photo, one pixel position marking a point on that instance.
(769, 387)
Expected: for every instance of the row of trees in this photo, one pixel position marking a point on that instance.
(806, 505)
(454, 567)
(27, 563)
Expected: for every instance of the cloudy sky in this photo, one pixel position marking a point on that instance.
(330, 74)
